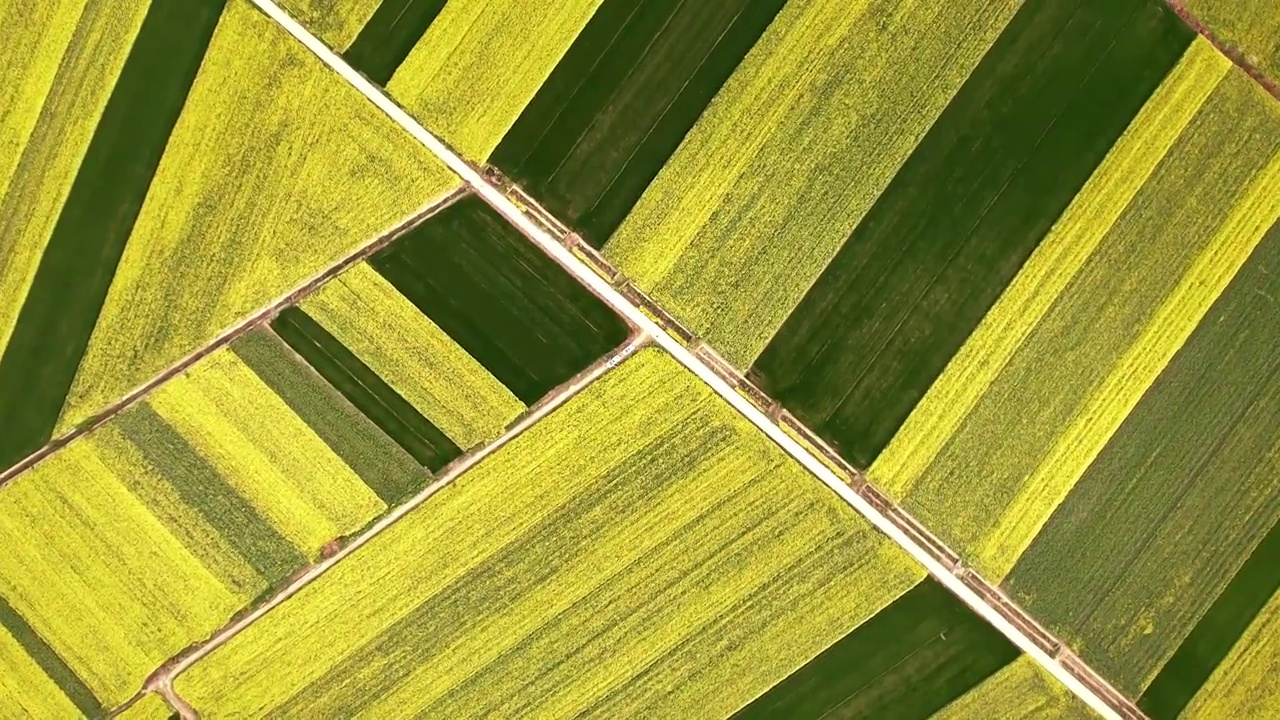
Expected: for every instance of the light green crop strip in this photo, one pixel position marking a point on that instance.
(1021, 691)
(25, 690)
(414, 356)
(451, 82)
(98, 576)
(791, 154)
(48, 114)
(266, 452)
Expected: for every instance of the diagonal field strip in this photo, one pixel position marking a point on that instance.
(1002, 614)
(162, 680)
(245, 325)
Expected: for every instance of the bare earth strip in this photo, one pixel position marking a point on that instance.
(262, 316)
(980, 595)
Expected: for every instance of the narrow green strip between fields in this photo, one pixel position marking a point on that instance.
(620, 101)
(384, 466)
(389, 35)
(964, 213)
(365, 390)
(1216, 633)
(61, 674)
(909, 661)
(207, 493)
(506, 303)
(75, 272)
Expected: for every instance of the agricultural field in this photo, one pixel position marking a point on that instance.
(620, 558)
(619, 102)
(148, 533)
(297, 422)
(128, 174)
(1249, 27)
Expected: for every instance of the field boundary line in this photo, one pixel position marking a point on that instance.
(889, 520)
(161, 681)
(1233, 52)
(247, 324)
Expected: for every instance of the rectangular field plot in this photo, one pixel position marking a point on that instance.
(960, 217)
(147, 534)
(177, 167)
(621, 99)
(640, 552)
(1251, 27)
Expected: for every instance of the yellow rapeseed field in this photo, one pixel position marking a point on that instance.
(414, 356)
(25, 689)
(791, 154)
(1244, 684)
(270, 456)
(58, 63)
(480, 62)
(1252, 26)
(98, 576)
(150, 707)
(276, 170)
(336, 23)
(642, 552)
(1021, 691)
(1097, 312)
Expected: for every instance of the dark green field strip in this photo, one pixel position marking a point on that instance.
(388, 469)
(52, 665)
(1185, 490)
(995, 171)
(363, 388)
(1216, 633)
(620, 101)
(207, 493)
(515, 311)
(75, 272)
(909, 661)
(389, 35)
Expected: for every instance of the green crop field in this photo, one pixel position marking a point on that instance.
(621, 99)
(911, 659)
(524, 319)
(622, 559)
(1020, 691)
(152, 182)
